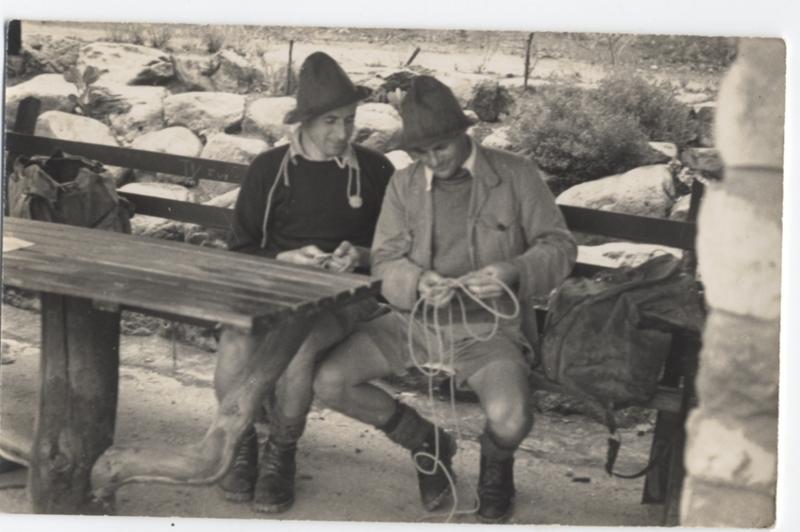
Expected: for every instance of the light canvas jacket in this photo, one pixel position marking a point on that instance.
(512, 217)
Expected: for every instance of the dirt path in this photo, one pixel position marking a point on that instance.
(347, 471)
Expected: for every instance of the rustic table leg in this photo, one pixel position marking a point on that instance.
(77, 402)
(206, 461)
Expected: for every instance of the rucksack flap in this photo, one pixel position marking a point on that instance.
(66, 189)
(607, 338)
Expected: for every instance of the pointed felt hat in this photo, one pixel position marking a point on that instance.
(323, 86)
(430, 114)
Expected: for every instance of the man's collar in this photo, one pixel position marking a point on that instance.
(348, 158)
(469, 164)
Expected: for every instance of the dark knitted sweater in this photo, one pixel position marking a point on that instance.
(313, 209)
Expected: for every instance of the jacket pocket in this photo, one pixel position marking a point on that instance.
(498, 237)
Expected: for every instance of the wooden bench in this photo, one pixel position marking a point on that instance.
(675, 395)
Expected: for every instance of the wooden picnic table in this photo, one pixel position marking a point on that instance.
(86, 277)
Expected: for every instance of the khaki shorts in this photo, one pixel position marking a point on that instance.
(462, 355)
(351, 315)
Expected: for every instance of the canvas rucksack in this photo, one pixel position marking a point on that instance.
(66, 189)
(607, 338)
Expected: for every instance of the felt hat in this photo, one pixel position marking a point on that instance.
(430, 114)
(322, 87)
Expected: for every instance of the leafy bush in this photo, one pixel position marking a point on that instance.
(212, 37)
(660, 115)
(571, 135)
(582, 134)
(159, 35)
(489, 100)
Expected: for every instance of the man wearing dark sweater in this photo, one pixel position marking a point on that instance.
(314, 201)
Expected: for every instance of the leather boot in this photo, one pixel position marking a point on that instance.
(275, 485)
(274, 491)
(238, 483)
(434, 484)
(495, 489)
(408, 429)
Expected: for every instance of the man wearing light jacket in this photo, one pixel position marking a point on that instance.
(486, 218)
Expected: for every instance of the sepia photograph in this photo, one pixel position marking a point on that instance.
(391, 274)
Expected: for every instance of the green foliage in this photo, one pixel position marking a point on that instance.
(572, 135)
(582, 134)
(212, 38)
(489, 100)
(159, 35)
(83, 81)
(660, 115)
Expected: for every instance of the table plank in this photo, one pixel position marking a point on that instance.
(172, 278)
(209, 260)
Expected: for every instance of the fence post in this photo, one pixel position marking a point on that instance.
(413, 56)
(528, 59)
(289, 69)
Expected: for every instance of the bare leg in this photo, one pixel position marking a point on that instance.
(504, 394)
(342, 381)
(243, 382)
(294, 392)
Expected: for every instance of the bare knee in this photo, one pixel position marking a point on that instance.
(510, 419)
(338, 373)
(330, 384)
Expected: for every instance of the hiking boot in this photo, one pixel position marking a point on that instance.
(238, 483)
(274, 491)
(495, 489)
(434, 484)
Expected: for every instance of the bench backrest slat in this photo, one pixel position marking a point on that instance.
(129, 158)
(630, 227)
(181, 211)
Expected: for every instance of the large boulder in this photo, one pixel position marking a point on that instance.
(204, 113)
(232, 149)
(378, 126)
(193, 71)
(234, 73)
(129, 64)
(52, 91)
(264, 117)
(668, 150)
(500, 139)
(704, 114)
(131, 111)
(173, 140)
(643, 191)
(66, 126)
(680, 210)
(706, 160)
(399, 159)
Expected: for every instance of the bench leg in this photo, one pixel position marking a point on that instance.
(664, 436)
(77, 403)
(208, 460)
(674, 487)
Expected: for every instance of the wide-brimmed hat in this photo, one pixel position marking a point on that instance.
(430, 114)
(322, 87)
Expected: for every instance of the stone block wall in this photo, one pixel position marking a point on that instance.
(731, 454)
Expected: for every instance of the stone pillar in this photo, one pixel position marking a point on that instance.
(731, 453)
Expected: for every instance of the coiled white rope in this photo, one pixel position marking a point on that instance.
(445, 355)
